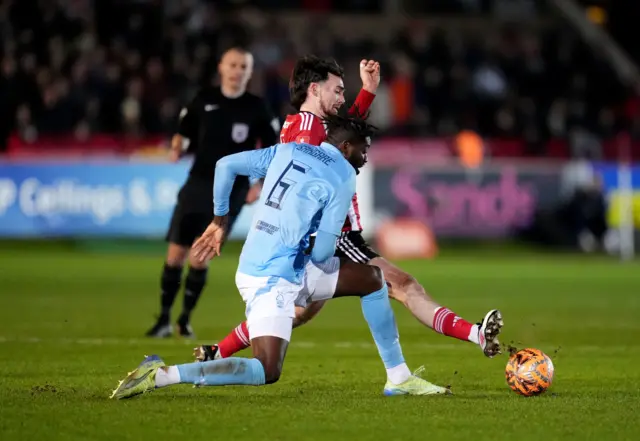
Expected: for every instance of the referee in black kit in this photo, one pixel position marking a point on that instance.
(219, 121)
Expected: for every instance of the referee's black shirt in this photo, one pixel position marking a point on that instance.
(217, 126)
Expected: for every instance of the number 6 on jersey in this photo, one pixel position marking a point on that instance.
(284, 183)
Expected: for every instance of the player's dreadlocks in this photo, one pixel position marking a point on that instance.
(352, 128)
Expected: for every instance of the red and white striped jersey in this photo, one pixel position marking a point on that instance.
(305, 127)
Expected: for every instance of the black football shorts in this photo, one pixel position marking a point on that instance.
(194, 212)
(352, 246)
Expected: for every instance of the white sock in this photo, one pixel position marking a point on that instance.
(168, 375)
(473, 335)
(399, 374)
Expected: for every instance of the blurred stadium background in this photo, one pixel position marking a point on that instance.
(509, 149)
(512, 114)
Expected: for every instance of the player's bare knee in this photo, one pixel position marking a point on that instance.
(299, 321)
(194, 263)
(176, 255)
(271, 376)
(406, 282)
(408, 287)
(370, 279)
(272, 370)
(270, 351)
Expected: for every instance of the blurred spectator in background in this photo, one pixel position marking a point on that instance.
(579, 220)
(81, 67)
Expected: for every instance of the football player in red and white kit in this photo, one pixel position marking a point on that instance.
(317, 89)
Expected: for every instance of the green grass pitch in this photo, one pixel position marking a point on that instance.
(71, 326)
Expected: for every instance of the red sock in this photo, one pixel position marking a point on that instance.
(237, 340)
(448, 323)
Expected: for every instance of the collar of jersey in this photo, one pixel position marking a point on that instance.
(337, 150)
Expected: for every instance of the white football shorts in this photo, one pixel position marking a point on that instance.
(271, 301)
(320, 281)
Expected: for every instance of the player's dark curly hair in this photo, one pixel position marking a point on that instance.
(310, 69)
(353, 128)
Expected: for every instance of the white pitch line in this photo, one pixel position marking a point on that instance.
(296, 344)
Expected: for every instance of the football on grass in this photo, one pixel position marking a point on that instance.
(529, 372)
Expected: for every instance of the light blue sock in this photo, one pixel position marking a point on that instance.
(382, 323)
(228, 371)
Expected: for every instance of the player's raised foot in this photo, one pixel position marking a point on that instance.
(184, 328)
(415, 385)
(142, 379)
(206, 353)
(161, 329)
(488, 331)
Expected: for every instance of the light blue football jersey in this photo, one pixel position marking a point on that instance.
(306, 189)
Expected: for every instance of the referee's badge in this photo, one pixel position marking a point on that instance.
(239, 132)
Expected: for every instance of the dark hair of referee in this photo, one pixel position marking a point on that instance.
(234, 70)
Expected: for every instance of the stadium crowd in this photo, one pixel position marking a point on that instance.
(128, 67)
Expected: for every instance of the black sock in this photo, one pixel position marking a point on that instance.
(193, 286)
(170, 285)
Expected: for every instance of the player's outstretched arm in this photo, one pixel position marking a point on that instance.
(252, 163)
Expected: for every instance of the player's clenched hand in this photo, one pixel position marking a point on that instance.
(370, 75)
(207, 246)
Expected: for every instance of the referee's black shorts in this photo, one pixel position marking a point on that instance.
(352, 246)
(194, 211)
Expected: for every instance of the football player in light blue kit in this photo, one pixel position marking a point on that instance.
(307, 190)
